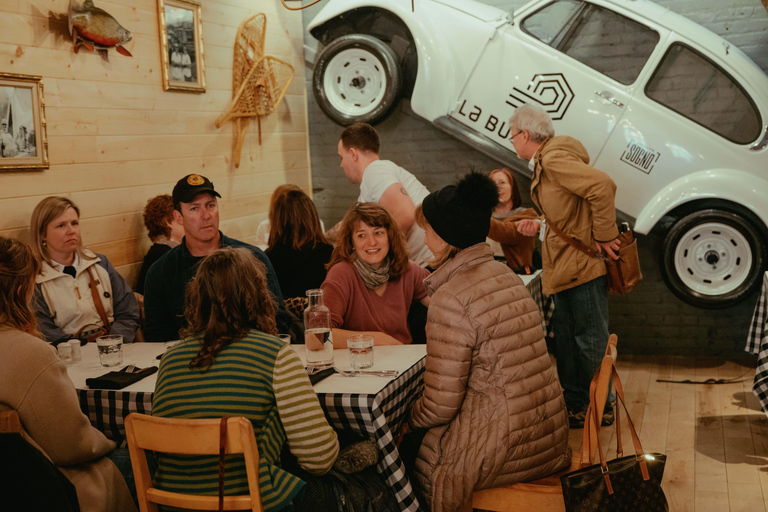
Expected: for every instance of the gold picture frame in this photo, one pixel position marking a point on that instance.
(181, 45)
(23, 127)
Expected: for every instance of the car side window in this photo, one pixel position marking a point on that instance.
(600, 38)
(693, 86)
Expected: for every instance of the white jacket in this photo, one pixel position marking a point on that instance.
(65, 306)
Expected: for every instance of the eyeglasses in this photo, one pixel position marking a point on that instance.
(512, 138)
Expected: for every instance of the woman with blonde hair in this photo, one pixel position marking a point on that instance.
(297, 246)
(516, 247)
(79, 293)
(231, 363)
(371, 283)
(35, 383)
(492, 407)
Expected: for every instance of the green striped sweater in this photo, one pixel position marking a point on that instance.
(258, 377)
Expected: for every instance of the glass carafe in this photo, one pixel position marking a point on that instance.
(318, 338)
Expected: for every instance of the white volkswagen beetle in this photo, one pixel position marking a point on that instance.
(674, 113)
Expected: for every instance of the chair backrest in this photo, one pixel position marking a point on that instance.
(190, 437)
(9, 422)
(603, 385)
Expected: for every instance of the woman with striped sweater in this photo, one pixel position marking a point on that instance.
(230, 362)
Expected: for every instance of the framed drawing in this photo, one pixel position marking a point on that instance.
(23, 135)
(181, 45)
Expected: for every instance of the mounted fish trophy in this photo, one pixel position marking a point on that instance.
(96, 29)
(258, 82)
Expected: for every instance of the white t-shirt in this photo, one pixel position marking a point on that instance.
(378, 177)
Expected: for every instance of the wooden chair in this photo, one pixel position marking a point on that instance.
(10, 422)
(190, 437)
(546, 494)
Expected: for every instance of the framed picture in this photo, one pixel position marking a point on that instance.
(23, 135)
(181, 45)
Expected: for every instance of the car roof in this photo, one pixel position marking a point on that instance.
(480, 11)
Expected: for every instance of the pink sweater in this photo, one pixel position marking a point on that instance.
(357, 308)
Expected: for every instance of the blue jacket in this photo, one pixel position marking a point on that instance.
(167, 280)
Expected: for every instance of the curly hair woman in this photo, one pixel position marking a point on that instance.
(230, 362)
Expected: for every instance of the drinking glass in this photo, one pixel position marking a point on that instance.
(360, 351)
(285, 338)
(110, 349)
(65, 352)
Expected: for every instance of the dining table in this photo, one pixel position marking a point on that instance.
(545, 302)
(757, 343)
(369, 405)
(372, 406)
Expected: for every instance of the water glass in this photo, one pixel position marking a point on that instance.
(65, 352)
(77, 356)
(110, 349)
(360, 351)
(285, 338)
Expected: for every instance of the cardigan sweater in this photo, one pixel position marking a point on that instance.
(358, 308)
(258, 377)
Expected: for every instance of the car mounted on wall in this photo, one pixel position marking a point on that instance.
(674, 113)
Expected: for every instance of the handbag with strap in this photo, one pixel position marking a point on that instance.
(92, 331)
(624, 483)
(624, 273)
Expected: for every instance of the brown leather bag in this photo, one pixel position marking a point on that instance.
(624, 273)
(92, 335)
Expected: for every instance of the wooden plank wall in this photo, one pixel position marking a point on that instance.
(117, 139)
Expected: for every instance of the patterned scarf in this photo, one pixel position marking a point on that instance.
(373, 277)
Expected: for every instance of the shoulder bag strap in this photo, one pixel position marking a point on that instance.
(573, 242)
(97, 300)
(222, 452)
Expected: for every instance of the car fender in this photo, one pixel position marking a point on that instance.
(442, 60)
(731, 185)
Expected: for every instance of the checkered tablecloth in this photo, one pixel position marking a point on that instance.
(757, 343)
(107, 410)
(376, 411)
(379, 417)
(546, 304)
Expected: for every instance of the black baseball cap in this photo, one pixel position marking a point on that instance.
(190, 186)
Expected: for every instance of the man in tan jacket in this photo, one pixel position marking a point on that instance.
(579, 200)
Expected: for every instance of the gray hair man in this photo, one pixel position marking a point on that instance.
(579, 200)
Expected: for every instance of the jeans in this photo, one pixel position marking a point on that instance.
(122, 459)
(581, 336)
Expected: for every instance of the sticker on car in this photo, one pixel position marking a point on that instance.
(639, 156)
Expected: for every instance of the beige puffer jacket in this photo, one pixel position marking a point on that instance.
(491, 400)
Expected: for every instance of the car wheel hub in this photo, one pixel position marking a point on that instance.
(713, 259)
(355, 82)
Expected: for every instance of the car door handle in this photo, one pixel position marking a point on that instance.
(607, 96)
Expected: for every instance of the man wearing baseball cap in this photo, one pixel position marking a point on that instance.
(196, 207)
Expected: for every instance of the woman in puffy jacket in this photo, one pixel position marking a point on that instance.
(492, 405)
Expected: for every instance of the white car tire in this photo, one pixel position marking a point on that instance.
(357, 79)
(713, 258)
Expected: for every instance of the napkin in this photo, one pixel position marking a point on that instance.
(317, 377)
(118, 380)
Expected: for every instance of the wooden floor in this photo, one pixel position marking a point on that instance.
(715, 436)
